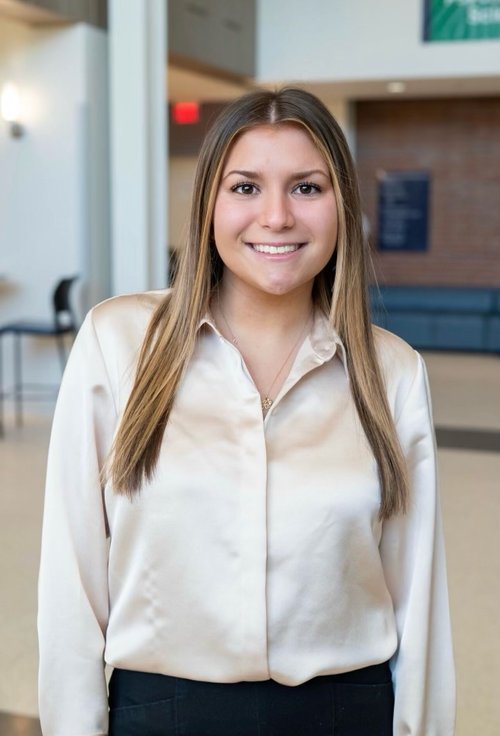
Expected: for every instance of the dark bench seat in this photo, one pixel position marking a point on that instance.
(440, 318)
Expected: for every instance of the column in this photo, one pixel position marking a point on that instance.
(137, 65)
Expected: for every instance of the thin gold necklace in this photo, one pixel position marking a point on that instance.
(265, 400)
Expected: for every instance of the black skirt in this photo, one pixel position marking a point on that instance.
(359, 703)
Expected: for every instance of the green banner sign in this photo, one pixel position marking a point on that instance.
(461, 20)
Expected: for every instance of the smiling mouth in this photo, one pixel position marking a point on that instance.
(276, 249)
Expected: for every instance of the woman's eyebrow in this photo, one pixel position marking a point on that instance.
(310, 172)
(295, 175)
(241, 172)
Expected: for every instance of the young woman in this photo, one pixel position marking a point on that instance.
(241, 514)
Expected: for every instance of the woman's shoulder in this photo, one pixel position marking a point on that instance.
(128, 305)
(399, 363)
(122, 321)
(394, 354)
(126, 311)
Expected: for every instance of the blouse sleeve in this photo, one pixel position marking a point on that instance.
(73, 591)
(412, 553)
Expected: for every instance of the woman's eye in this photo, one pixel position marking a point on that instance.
(244, 188)
(307, 188)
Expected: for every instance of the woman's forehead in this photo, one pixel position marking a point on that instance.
(285, 143)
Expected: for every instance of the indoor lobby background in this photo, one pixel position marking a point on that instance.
(98, 185)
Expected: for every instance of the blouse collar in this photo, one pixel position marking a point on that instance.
(323, 338)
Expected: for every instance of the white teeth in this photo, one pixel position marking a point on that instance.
(275, 248)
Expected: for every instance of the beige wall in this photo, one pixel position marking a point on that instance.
(180, 176)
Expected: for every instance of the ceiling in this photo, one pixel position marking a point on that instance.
(410, 88)
(186, 84)
(30, 13)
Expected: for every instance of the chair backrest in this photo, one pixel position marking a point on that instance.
(63, 311)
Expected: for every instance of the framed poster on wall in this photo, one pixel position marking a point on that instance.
(403, 210)
(461, 20)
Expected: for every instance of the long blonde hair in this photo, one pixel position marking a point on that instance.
(340, 290)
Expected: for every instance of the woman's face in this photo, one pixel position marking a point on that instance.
(275, 216)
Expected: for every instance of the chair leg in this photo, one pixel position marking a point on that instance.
(61, 349)
(18, 385)
(2, 430)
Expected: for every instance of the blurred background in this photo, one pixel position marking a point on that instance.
(103, 107)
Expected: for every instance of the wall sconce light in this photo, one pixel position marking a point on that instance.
(10, 108)
(396, 88)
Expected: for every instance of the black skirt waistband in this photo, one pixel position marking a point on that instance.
(156, 684)
(375, 674)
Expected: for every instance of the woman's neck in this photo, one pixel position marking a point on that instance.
(248, 313)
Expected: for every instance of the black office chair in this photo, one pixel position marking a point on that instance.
(64, 323)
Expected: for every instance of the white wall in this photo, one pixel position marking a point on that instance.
(53, 217)
(359, 39)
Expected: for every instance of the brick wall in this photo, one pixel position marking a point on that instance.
(458, 142)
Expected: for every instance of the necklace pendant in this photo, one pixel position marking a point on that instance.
(266, 403)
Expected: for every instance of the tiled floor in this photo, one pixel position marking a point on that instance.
(13, 725)
(466, 398)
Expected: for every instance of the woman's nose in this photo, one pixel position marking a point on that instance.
(276, 211)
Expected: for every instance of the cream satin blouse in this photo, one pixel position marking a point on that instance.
(256, 552)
